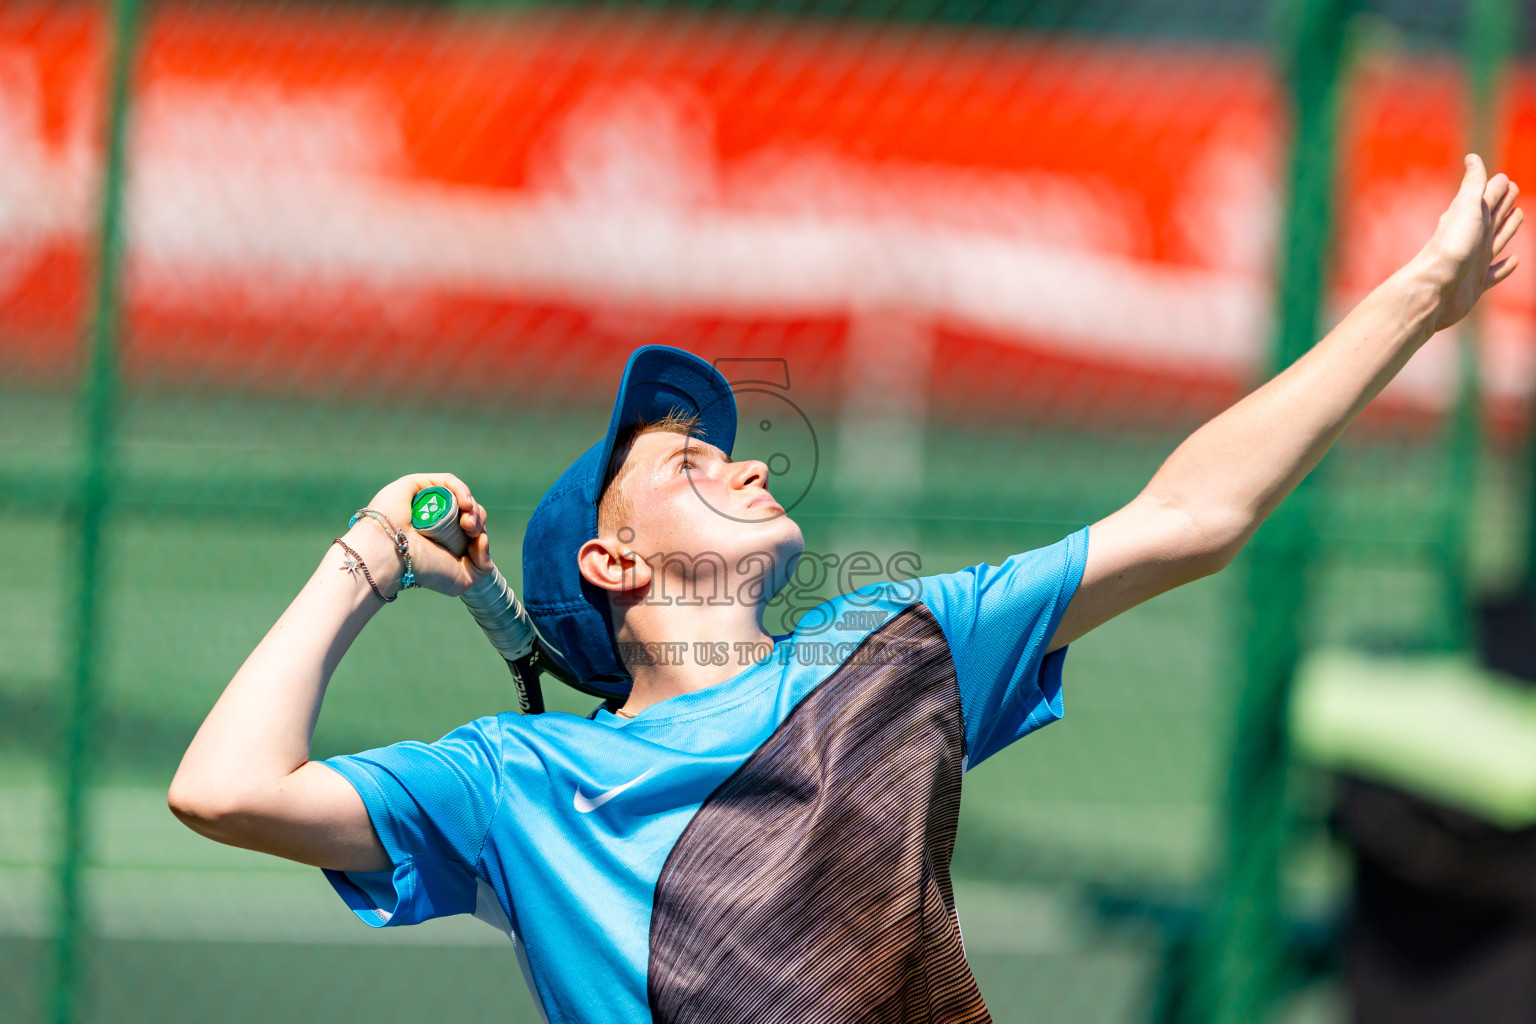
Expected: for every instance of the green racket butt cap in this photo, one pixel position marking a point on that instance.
(431, 506)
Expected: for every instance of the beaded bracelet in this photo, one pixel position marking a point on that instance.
(402, 545)
(353, 562)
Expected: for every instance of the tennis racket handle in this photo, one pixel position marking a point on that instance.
(435, 515)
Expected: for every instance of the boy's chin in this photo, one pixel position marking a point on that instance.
(786, 532)
(780, 534)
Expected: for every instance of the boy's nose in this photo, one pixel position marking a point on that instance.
(751, 471)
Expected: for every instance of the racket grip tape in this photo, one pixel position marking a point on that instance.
(435, 515)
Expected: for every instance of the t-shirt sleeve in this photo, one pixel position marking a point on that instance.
(998, 620)
(431, 805)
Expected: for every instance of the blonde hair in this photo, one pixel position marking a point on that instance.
(614, 507)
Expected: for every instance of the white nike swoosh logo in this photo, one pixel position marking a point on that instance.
(586, 806)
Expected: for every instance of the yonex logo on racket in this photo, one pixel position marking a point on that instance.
(429, 506)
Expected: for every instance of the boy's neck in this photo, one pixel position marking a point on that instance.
(671, 650)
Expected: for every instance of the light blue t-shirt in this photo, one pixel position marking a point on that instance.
(773, 848)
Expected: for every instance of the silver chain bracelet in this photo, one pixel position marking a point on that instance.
(353, 562)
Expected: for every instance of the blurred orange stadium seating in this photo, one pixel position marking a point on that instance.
(535, 193)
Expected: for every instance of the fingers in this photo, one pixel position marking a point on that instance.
(1507, 230)
(1500, 196)
(1497, 195)
(421, 481)
(472, 518)
(1474, 183)
(480, 553)
(460, 490)
(1502, 269)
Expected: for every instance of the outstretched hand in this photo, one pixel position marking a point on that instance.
(1466, 248)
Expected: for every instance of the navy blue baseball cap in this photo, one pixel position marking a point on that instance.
(571, 614)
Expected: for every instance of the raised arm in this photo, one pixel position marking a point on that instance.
(246, 779)
(1218, 486)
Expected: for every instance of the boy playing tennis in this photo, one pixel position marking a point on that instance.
(759, 842)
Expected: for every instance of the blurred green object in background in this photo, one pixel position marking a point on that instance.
(1438, 725)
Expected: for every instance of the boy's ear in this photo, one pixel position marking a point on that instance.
(606, 563)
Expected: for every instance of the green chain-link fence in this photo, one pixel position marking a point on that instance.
(997, 259)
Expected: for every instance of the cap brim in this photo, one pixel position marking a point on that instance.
(660, 380)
